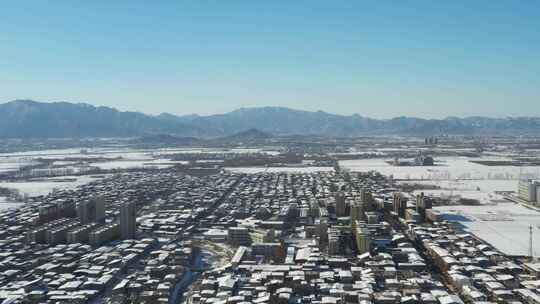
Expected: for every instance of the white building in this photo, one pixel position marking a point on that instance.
(527, 190)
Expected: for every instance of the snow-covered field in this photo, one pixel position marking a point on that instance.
(127, 158)
(448, 168)
(484, 185)
(46, 186)
(481, 196)
(503, 225)
(454, 175)
(279, 169)
(481, 190)
(128, 164)
(10, 166)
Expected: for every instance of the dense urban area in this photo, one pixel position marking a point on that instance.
(258, 219)
(270, 152)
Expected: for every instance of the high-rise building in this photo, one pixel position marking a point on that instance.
(239, 236)
(314, 208)
(128, 220)
(85, 210)
(333, 241)
(340, 205)
(357, 212)
(66, 208)
(39, 234)
(80, 234)
(527, 190)
(322, 232)
(399, 204)
(367, 200)
(48, 213)
(92, 210)
(363, 237)
(99, 202)
(422, 204)
(58, 234)
(104, 234)
(419, 201)
(365, 196)
(55, 210)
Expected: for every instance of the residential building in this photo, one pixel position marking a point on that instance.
(92, 210)
(527, 190)
(340, 205)
(128, 220)
(239, 236)
(399, 204)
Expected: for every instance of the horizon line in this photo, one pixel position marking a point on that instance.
(263, 107)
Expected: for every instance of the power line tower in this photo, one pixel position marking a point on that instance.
(531, 242)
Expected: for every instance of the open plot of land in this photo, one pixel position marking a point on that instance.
(481, 196)
(483, 185)
(448, 168)
(504, 225)
(45, 186)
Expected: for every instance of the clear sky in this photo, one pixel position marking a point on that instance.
(375, 58)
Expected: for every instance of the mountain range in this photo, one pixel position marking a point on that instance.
(32, 119)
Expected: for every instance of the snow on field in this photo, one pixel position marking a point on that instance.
(9, 166)
(279, 169)
(483, 197)
(47, 185)
(481, 190)
(169, 151)
(503, 225)
(129, 164)
(484, 185)
(447, 168)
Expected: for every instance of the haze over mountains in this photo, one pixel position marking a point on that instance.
(31, 119)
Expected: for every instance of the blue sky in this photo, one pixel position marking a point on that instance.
(375, 58)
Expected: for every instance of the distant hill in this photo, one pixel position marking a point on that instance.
(31, 119)
(285, 121)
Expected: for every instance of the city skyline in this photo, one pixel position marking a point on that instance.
(270, 152)
(426, 59)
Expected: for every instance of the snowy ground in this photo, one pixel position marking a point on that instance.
(47, 185)
(448, 168)
(279, 169)
(456, 176)
(503, 225)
